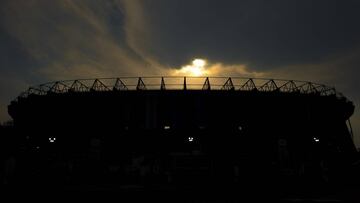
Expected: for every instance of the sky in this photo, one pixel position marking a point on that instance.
(317, 40)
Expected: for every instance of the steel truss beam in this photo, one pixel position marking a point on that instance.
(119, 85)
(269, 86)
(162, 85)
(78, 86)
(228, 85)
(140, 85)
(308, 88)
(98, 85)
(289, 86)
(59, 87)
(184, 86)
(206, 85)
(249, 85)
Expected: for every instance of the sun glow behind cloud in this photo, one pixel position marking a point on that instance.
(202, 67)
(196, 68)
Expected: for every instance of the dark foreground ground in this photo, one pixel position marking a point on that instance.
(189, 193)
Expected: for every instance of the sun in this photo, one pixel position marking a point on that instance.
(199, 62)
(195, 69)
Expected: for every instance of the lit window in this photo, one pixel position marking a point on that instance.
(167, 127)
(190, 139)
(52, 139)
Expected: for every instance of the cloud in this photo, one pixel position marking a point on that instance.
(137, 30)
(62, 39)
(74, 38)
(209, 68)
(259, 33)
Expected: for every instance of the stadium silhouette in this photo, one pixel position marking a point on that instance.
(184, 133)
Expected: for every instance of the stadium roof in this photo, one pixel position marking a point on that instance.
(182, 83)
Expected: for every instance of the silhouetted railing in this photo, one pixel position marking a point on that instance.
(182, 83)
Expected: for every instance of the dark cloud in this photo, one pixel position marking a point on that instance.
(61, 39)
(261, 33)
(15, 70)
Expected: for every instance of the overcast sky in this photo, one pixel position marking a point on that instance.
(45, 40)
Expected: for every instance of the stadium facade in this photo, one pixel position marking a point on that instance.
(184, 131)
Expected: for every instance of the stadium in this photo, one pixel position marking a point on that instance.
(184, 132)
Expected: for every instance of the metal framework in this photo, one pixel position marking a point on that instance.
(207, 85)
(141, 85)
(182, 83)
(119, 85)
(249, 85)
(228, 85)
